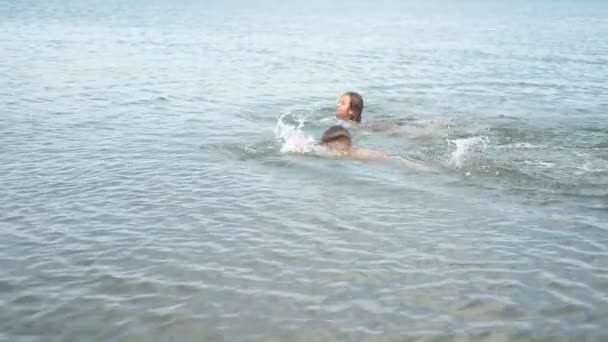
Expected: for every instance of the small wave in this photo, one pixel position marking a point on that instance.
(589, 167)
(522, 146)
(465, 148)
(601, 145)
(252, 151)
(539, 164)
(292, 138)
(587, 191)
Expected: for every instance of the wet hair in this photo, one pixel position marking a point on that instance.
(356, 105)
(335, 133)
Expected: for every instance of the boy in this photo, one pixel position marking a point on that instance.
(338, 140)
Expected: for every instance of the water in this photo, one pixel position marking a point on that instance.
(159, 178)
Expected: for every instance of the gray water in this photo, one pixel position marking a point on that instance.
(145, 197)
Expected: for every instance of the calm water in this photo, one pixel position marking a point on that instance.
(145, 195)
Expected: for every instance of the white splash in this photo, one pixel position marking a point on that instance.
(521, 145)
(591, 167)
(465, 147)
(292, 138)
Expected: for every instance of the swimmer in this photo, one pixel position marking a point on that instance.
(338, 140)
(349, 107)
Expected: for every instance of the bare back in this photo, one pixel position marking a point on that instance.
(365, 154)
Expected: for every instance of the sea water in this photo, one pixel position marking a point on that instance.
(160, 177)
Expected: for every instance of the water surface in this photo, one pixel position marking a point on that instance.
(145, 194)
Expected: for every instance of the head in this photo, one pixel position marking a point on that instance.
(350, 106)
(337, 138)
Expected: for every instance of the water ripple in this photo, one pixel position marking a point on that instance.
(144, 196)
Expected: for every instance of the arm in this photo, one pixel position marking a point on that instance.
(365, 154)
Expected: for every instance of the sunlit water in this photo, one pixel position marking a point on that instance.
(160, 177)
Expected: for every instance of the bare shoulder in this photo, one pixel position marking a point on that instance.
(365, 154)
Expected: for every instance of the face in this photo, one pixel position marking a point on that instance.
(343, 110)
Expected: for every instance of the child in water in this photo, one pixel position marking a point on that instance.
(338, 140)
(350, 108)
